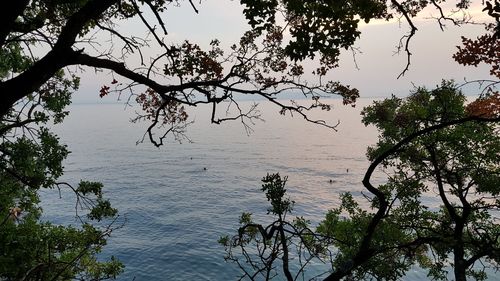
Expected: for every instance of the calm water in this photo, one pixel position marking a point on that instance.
(174, 210)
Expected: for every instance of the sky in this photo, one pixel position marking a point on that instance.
(377, 66)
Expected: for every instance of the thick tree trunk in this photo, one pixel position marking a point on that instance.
(460, 269)
(458, 250)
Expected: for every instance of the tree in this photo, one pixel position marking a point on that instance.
(459, 163)
(432, 141)
(41, 39)
(52, 35)
(267, 251)
(258, 65)
(431, 144)
(31, 159)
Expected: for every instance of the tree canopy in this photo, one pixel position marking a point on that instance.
(431, 144)
(41, 39)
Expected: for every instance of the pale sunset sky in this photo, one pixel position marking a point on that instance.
(378, 64)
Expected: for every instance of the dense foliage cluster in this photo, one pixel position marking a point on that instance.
(485, 49)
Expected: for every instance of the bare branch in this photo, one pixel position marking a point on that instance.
(157, 15)
(193, 6)
(146, 23)
(406, 38)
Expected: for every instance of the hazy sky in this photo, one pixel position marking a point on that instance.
(378, 65)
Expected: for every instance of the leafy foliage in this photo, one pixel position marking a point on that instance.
(39, 39)
(62, 32)
(458, 164)
(487, 106)
(35, 249)
(263, 252)
(31, 159)
(485, 49)
(430, 145)
(337, 19)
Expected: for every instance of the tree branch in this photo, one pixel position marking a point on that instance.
(408, 37)
(57, 58)
(119, 68)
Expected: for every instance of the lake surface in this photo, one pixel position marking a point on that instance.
(173, 210)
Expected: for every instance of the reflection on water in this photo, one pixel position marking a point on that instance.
(179, 199)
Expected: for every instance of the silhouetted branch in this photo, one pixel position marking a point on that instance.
(406, 38)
